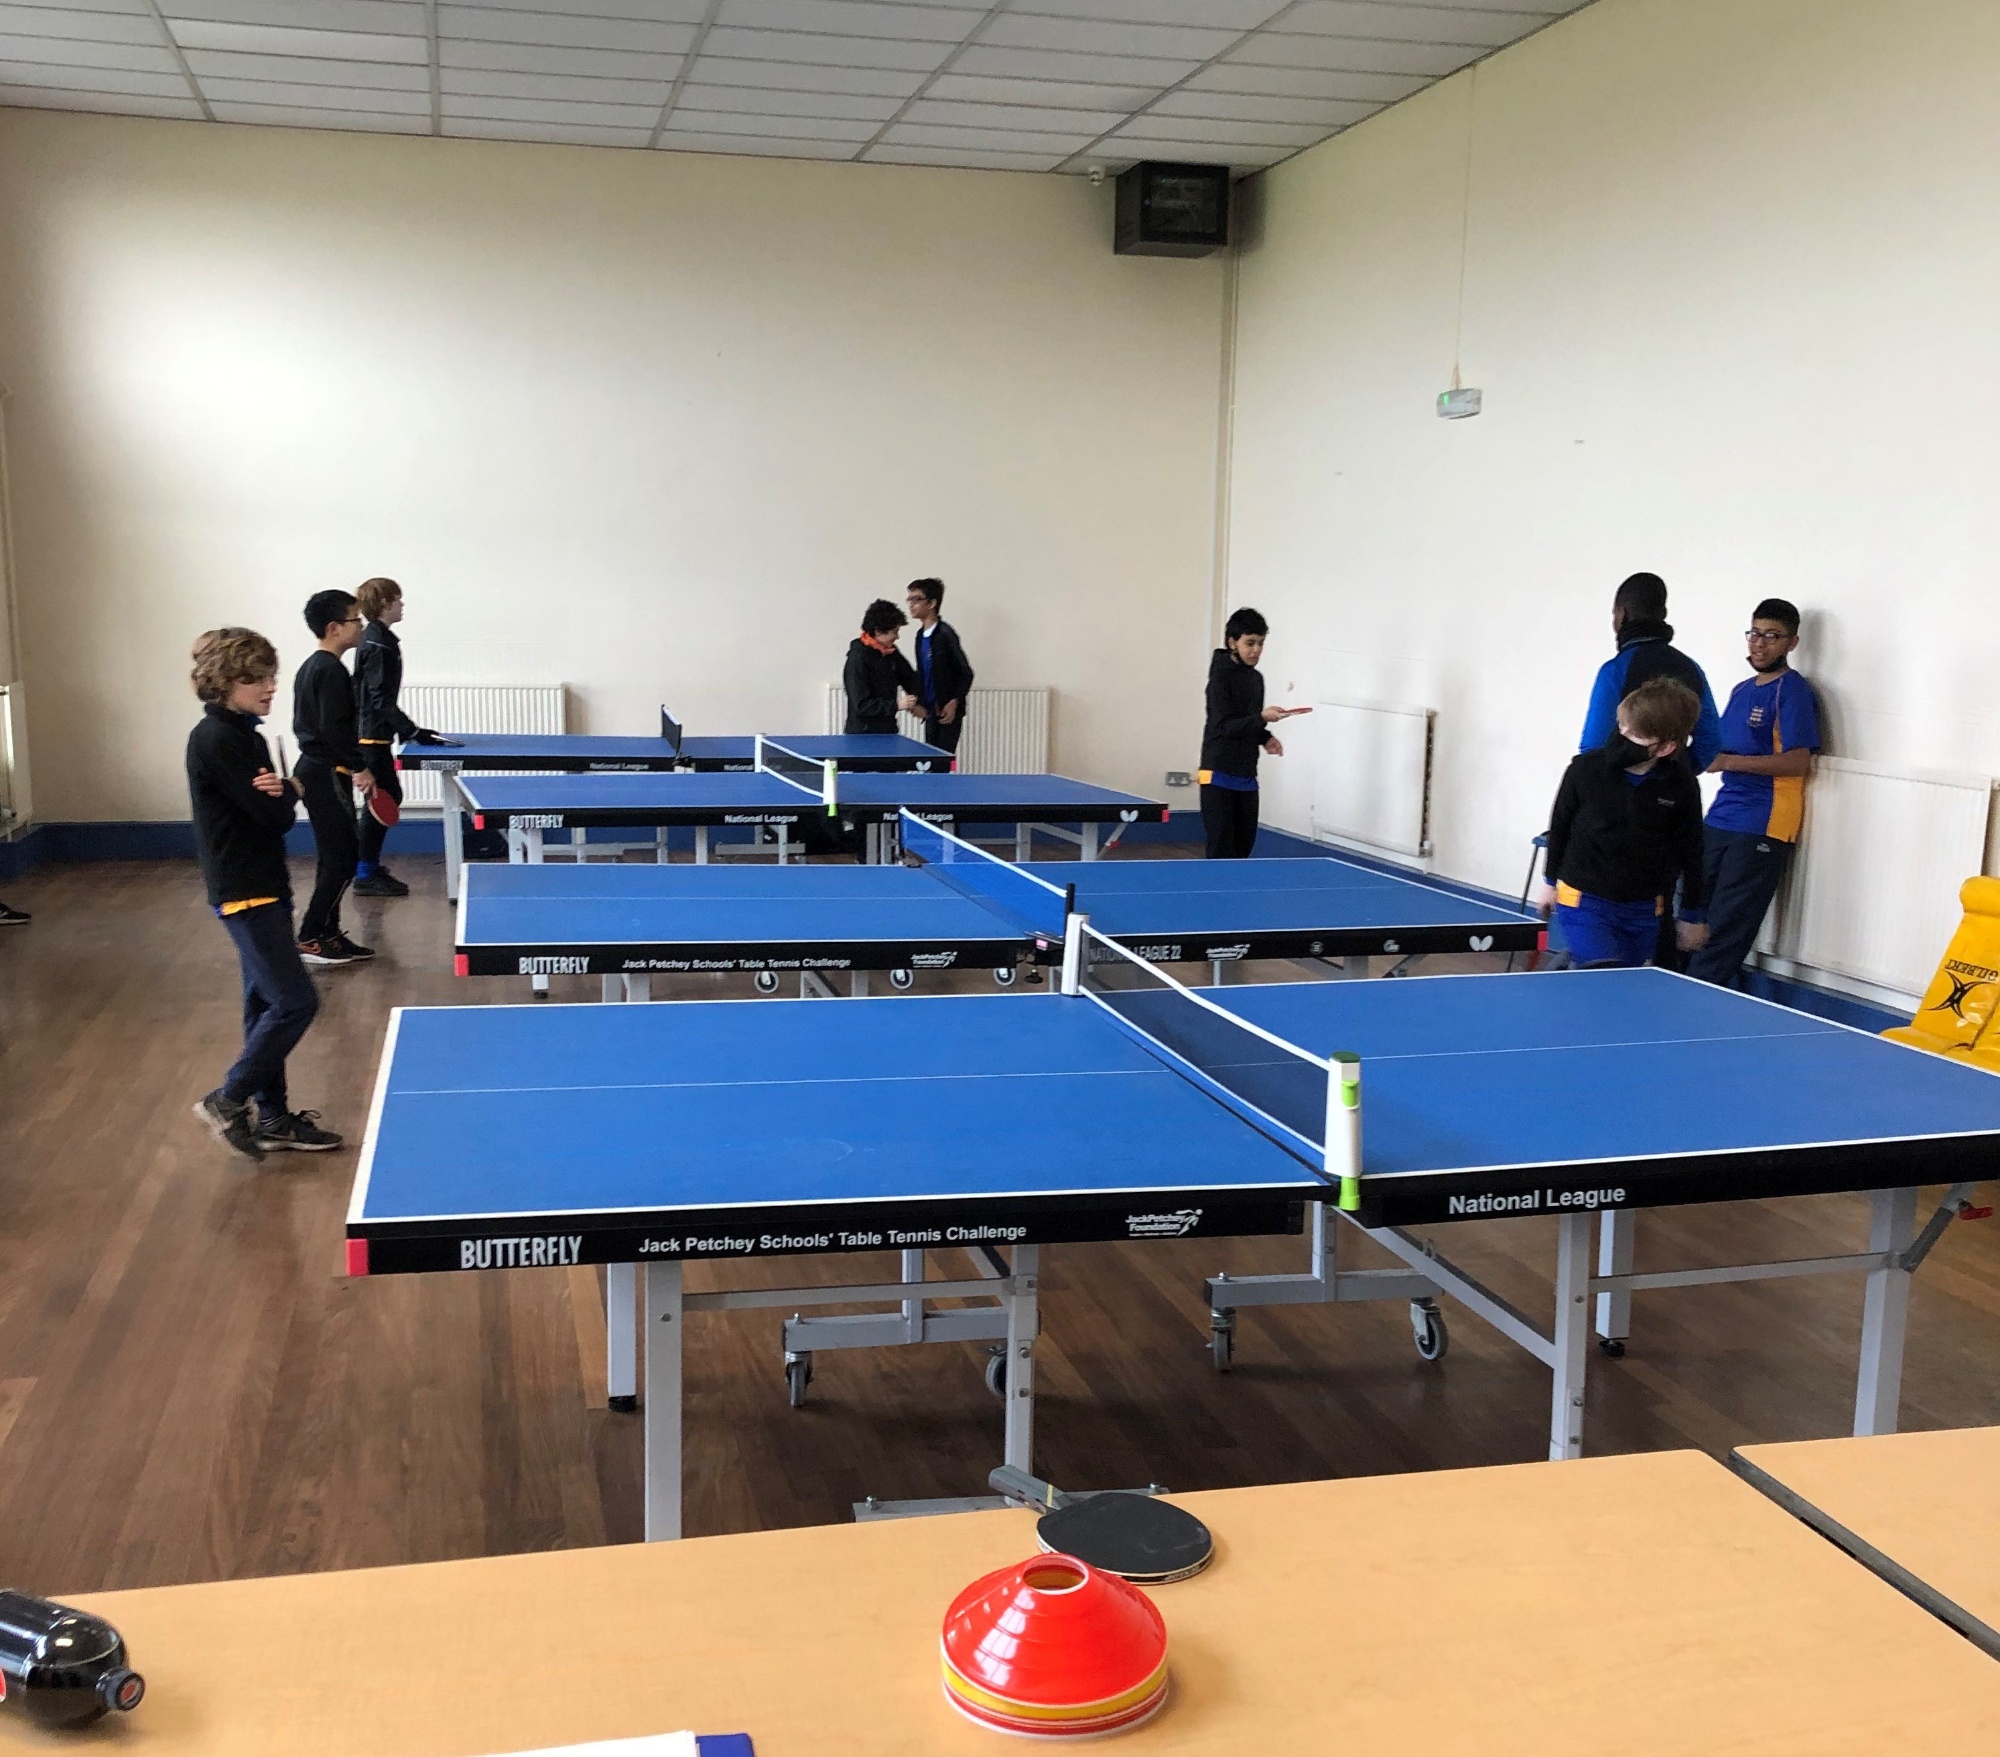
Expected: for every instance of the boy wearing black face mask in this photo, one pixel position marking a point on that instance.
(1626, 828)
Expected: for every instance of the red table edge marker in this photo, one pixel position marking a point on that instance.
(357, 1256)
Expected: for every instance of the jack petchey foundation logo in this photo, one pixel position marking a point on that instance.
(1178, 1224)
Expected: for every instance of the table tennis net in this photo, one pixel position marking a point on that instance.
(998, 885)
(1277, 1087)
(809, 773)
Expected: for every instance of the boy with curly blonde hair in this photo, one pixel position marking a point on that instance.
(242, 809)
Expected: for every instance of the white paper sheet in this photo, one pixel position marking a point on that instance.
(652, 1745)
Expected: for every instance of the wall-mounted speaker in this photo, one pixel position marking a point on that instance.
(1172, 210)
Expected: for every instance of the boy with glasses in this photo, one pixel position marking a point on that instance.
(332, 768)
(1770, 731)
(943, 671)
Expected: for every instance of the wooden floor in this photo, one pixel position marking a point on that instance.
(191, 1388)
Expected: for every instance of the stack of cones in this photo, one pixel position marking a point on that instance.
(1054, 1649)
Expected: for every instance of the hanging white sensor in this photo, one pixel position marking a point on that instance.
(1456, 405)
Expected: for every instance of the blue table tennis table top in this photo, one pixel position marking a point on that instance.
(578, 753)
(611, 919)
(504, 1136)
(571, 801)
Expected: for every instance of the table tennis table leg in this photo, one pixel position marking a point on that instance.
(1024, 842)
(662, 855)
(621, 1334)
(1022, 1323)
(1572, 1336)
(1615, 1231)
(701, 844)
(1885, 1311)
(1088, 843)
(454, 836)
(664, 1314)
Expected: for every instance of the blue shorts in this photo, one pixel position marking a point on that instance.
(1599, 932)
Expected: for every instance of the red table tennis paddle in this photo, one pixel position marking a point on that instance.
(383, 809)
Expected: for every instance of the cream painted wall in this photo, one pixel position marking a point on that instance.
(1730, 288)
(648, 424)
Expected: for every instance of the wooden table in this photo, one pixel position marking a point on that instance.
(1917, 1508)
(1639, 1605)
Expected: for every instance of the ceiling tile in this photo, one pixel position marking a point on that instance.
(44, 97)
(1232, 15)
(1354, 54)
(486, 82)
(698, 95)
(1236, 155)
(1488, 27)
(528, 58)
(772, 127)
(1307, 82)
(368, 17)
(756, 146)
(998, 140)
(851, 18)
(1048, 64)
(761, 45)
(1083, 36)
(1320, 112)
(51, 52)
(1055, 93)
(81, 27)
(550, 110)
(1193, 129)
(792, 76)
(548, 134)
(316, 97)
(493, 24)
(1082, 123)
(949, 158)
(641, 11)
(198, 33)
(210, 64)
(356, 121)
(158, 82)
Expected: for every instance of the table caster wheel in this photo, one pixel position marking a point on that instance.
(1003, 976)
(767, 982)
(1614, 1346)
(1222, 1339)
(900, 979)
(798, 1375)
(625, 1405)
(1427, 1323)
(996, 1372)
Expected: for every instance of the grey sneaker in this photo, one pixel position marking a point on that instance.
(230, 1124)
(297, 1131)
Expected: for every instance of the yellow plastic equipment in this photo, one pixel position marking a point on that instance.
(1956, 1013)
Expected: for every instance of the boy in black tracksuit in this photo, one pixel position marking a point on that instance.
(877, 678)
(242, 809)
(1625, 829)
(378, 684)
(1237, 728)
(944, 673)
(331, 769)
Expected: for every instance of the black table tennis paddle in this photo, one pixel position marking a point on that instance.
(1126, 1532)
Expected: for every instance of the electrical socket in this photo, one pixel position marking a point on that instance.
(1179, 778)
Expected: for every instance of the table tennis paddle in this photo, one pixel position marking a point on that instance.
(1126, 1532)
(383, 809)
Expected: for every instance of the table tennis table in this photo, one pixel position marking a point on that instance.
(790, 799)
(1129, 1107)
(959, 909)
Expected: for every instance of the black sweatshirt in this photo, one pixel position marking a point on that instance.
(1235, 730)
(951, 670)
(323, 717)
(1626, 840)
(378, 683)
(871, 680)
(239, 832)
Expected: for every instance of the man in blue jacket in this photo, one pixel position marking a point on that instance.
(1646, 651)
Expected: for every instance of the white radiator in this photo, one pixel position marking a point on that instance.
(1006, 730)
(1873, 892)
(14, 802)
(477, 707)
(1371, 773)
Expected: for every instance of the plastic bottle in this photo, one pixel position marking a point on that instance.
(60, 1667)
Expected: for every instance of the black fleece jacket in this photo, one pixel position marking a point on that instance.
(1623, 840)
(951, 670)
(323, 716)
(871, 680)
(1235, 729)
(378, 682)
(239, 833)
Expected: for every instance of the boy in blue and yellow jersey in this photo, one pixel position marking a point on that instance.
(1770, 731)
